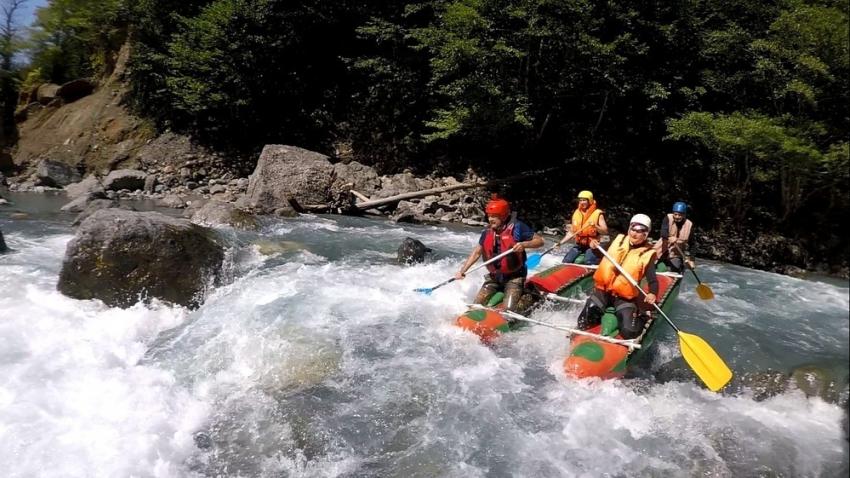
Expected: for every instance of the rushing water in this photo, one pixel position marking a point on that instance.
(319, 360)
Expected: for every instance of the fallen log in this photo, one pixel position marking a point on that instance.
(360, 196)
(307, 208)
(454, 187)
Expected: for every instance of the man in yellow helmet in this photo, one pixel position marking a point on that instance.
(588, 223)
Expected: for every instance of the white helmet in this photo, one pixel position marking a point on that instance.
(641, 219)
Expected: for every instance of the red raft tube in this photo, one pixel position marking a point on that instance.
(566, 280)
(591, 357)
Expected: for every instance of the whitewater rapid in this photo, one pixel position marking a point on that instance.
(319, 360)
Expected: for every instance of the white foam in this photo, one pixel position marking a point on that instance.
(324, 366)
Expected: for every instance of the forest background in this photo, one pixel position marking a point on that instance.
(741, 108)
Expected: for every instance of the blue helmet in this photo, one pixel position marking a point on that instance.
(680, 207)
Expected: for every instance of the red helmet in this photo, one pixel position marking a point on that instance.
(499, 208)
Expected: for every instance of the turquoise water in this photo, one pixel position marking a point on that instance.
(319, 360)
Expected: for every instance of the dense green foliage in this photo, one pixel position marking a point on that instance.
(72, 39)
(739, 107)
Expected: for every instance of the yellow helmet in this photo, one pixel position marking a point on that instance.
(586, 195)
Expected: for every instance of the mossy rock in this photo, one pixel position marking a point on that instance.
(122, 257)
(217, 213)
(816, 381)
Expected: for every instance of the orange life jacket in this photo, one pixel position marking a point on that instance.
(511, 262)
(682, 235)
(633, 260)
(581, 219)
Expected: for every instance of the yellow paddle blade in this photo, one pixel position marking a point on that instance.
(704, 292)
(708, 366)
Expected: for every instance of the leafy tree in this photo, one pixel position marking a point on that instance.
(77, 38)
(9, 47)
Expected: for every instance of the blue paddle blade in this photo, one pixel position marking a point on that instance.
(424, 291)
(533, 261)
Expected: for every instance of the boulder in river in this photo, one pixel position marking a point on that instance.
(412, 251)
(271, 248)
(121, 257)
(129, 179)
(285, 172)
(97, 205)
(52, 173)
(88, 186)
(3, 247)
(816, 381)
(217, 213)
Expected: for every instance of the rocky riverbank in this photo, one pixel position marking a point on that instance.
(171, 169)
(79, 139)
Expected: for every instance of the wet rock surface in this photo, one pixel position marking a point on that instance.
(121, 257)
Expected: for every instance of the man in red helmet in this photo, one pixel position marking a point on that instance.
(507, 274)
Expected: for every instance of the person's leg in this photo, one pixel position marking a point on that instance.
(590, 258)
(571, 255)
(513, 292)
(591, 314)
(630, 324)
(676, 264)
(488, 290)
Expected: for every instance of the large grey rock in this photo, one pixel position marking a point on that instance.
(80, 203)
(76, 89)
(363, 179)
(121, 257)
(88, 186)
(97, 205)
(287, 171)
(3, 247)
(766, 384)
(47, 93)
(410, 212)
(192, 207)
(217, 213)
(57, 174)
(173, 201)
(412, 251)
(150, 183)
(129, 179)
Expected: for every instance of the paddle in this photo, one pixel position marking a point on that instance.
(704, 361)
(703, 291)
(629, 343)
(534, 259)
(427, 291)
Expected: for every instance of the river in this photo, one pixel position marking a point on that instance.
(319, 360)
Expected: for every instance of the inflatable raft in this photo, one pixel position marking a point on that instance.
(592, 357)
(565, 280)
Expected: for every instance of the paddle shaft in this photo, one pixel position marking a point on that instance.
(556, 297)
(568, 300)
(534, 259)
(689, 267)
(509, 251)
(479, 266)
(638, 287)
(564, 241)
(558, 327)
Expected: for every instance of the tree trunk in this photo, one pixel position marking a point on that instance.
(455, 187)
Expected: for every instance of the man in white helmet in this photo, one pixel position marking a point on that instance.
(637, 257)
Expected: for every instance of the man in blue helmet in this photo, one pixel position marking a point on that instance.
(677, 237)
